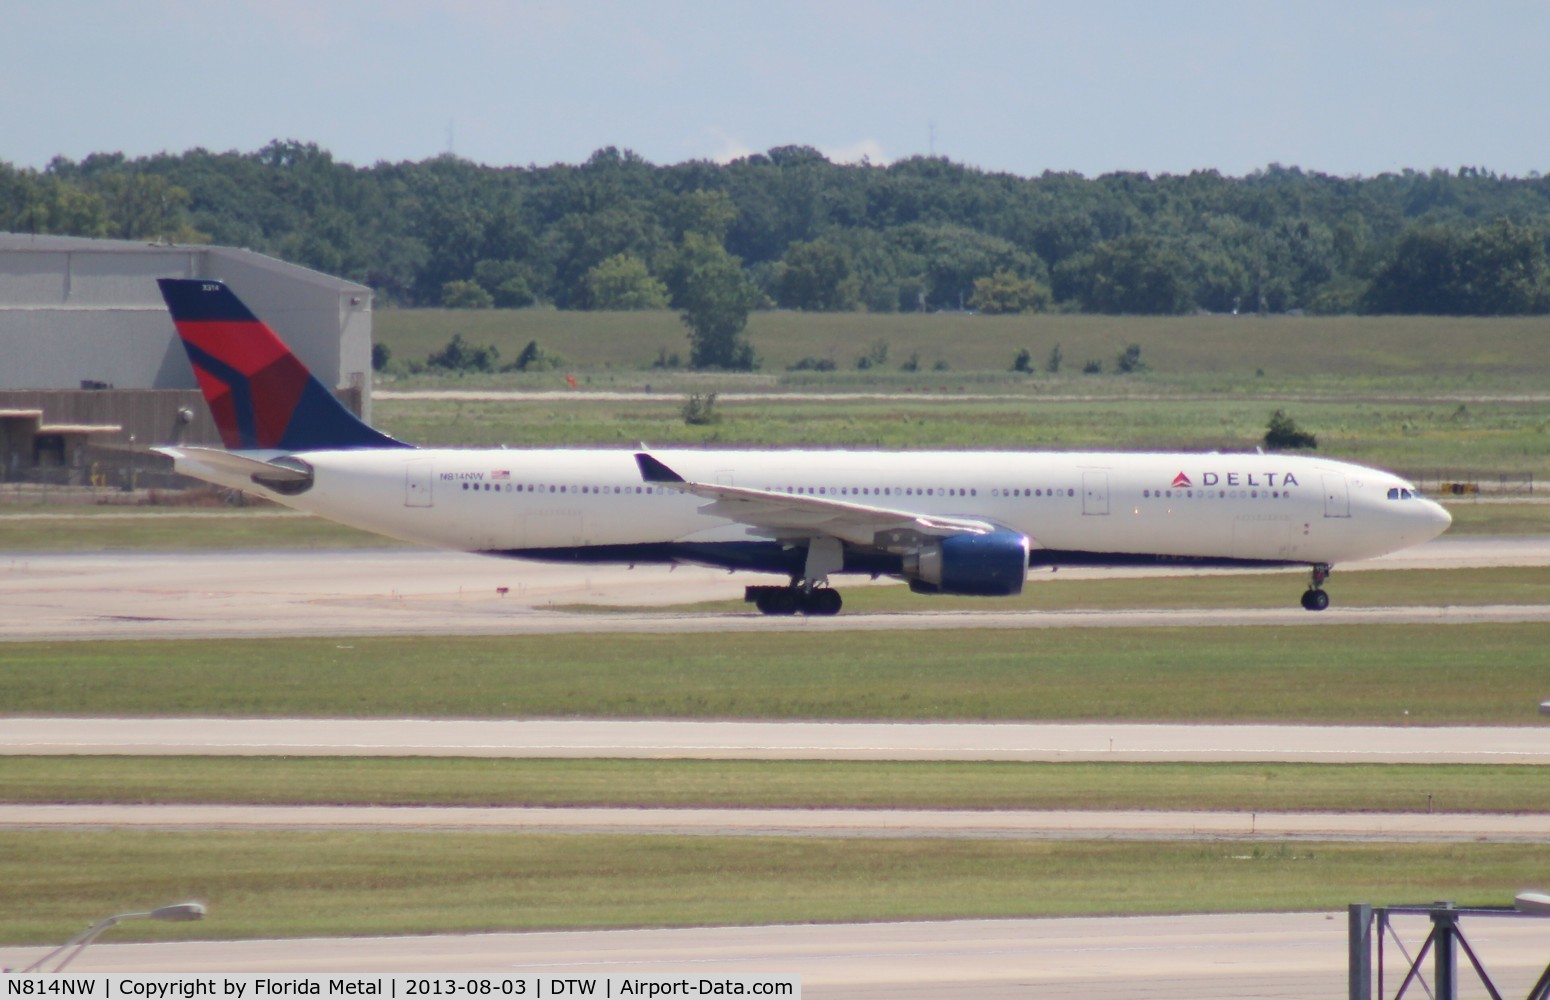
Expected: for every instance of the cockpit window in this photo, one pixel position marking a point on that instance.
(1402, 493)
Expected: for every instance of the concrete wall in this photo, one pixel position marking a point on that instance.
(149, 417)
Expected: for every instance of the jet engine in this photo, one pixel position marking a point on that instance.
(993, 565)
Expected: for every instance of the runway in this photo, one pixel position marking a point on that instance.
(943, 824)
(52, 597)
(1290, 956)
(659, 739)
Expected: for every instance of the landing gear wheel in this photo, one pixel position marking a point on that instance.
(1315, 600)
(776, 601)
(821, 602)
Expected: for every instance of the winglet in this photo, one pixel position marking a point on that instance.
(653, 471)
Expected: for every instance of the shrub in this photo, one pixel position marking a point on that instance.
(1128, 361)
(458, 356)
(875, 357)
(700, 410)
(534, 359)
(1283, 434)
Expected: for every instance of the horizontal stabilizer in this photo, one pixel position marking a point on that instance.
(237, 465)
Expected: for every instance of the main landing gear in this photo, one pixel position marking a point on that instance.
(793, 599)
(1314, 598)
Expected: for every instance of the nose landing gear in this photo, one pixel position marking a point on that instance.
(1314, 598)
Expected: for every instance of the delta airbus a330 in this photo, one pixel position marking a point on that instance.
(945, 522)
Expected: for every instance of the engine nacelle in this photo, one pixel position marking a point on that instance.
(993, 565)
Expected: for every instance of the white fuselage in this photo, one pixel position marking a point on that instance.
(1251, 507)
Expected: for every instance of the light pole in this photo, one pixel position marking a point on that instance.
(177, 911)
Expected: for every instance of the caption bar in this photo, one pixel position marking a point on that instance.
(129, 986)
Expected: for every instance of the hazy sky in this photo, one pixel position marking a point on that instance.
(1344, 87)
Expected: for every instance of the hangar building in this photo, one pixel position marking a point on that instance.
(89, 358)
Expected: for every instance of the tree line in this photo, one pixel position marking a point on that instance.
(789, 229)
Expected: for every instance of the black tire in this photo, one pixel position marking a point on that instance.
(777, 601)
(1315, 600)
(822, 602)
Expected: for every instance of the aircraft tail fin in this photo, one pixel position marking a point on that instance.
(259, 393)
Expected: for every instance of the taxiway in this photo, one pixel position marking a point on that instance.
(51, 597)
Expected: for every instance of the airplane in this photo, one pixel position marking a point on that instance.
(960, 522)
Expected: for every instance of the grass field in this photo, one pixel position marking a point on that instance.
(1425, 439)
(1459, 350)
(1434, 398)
(419, 781)
(294, 884)
(1383, 674)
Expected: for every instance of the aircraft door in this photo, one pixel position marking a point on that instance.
(1095, 493)
(417, 484)
(1337, 501)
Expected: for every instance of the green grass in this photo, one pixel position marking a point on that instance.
(419, 781)
(1474, 518)
(292, 884)
(1435, 674)
(1429, 440)
(1437, 398)
(1462, 350)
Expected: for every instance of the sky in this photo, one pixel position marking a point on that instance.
(1350, 88)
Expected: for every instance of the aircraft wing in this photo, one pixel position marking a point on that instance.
(784, 515)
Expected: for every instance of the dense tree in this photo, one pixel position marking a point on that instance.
(622, 282)
(1499, 269)
(921, 233)
(1005, 292)
(1132, 274)
(714, 297)
(465, 295)
(817, 276)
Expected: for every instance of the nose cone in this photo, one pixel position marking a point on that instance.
(1435, 517)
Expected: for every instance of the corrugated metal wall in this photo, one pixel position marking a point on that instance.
(77, 310)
